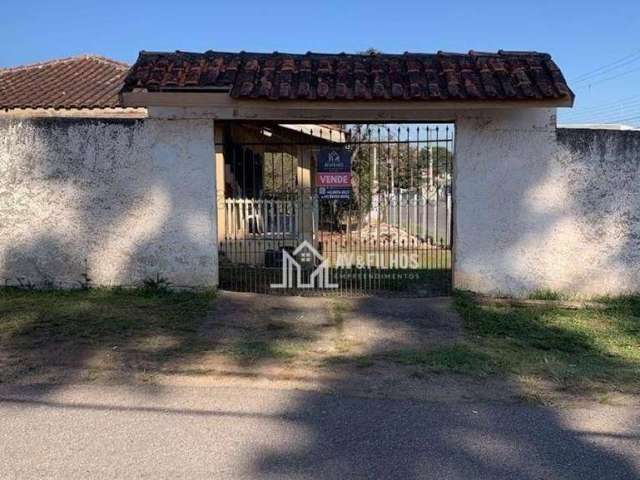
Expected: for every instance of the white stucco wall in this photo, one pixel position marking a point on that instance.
(131, 198)
(535, 207)
(539, 209)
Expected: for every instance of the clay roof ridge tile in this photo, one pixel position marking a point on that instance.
(58, 61)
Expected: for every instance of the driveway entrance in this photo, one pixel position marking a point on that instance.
(336, 209)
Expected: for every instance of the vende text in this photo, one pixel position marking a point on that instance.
(333, 179)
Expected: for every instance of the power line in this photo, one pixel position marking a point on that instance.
(613, 65)
(628, 119)
(613, 111)
(591, 116)
(607, 104)
(608, 70)
(622, 117)
(608, 117)
(606, 111)
(609, 78)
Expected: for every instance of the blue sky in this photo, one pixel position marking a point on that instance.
(582, 36)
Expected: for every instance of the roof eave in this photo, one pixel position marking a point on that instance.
(80, 112)
(219, 105)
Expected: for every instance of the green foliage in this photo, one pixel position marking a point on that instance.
(545, 295)
(252, 350)
(457, 358)
(157, 283)
(35, 318)
(575, 348)
(280, 172)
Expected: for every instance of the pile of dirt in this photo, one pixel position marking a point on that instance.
(381, 234)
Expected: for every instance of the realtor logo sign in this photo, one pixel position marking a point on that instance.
(333, 175)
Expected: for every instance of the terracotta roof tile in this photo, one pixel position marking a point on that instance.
(87, 81)
(315, 76)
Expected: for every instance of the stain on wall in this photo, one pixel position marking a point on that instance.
(543, 208)
(535, 207)
(120, 200)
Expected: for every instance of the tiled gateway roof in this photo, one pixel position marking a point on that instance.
(77, 82)
(314, 76)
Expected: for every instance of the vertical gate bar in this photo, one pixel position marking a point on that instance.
(378, 208)
(371, 244)
(234, 195)
(428, 200)
(416, 202)
(387, 208)
(290, 196)
(437, 210)
(417, 199)
(300, 174)
(254, 218)
(243, 193)
(277, 186)
(450, 212)
(407, 240)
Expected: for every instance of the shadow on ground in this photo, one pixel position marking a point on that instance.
(380, 348)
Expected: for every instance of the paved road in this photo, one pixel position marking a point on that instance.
(235, 433)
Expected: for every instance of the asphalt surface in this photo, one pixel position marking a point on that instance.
(235, 433)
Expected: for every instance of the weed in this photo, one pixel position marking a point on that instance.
(157, 284)
(546, 294)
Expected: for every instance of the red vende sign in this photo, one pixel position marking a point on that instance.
(333, 179)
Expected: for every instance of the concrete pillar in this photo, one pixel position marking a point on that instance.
(501, 158)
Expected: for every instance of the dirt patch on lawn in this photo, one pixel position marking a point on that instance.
(329, 327)
(366, 346)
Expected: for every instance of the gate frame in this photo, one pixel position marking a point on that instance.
(222, 134)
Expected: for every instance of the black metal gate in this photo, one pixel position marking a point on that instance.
(285, 229)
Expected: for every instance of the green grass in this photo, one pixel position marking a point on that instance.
(251, 351)
(579, 349)
(457, 359)
(33, 319)
(546, 295)
(573, 348)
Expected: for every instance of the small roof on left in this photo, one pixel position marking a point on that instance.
(86, 81)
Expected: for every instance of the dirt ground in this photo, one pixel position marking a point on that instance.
(367, 346)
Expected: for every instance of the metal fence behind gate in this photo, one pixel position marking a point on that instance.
(391, 235)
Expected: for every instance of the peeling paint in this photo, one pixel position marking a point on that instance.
(535, 207)
(122, 194)
(542, 208)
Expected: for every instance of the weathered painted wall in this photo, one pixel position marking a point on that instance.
(131, 198)
(542, 209)
(535, 207)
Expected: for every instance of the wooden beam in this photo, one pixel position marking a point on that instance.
(222, 107)
(116, 112)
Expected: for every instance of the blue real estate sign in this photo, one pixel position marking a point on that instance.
(333, 174)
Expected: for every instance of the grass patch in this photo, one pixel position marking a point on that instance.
(573, 348)
(458, 359)
(545, 295)
(337, 309)
(251, 351)
(32, 321)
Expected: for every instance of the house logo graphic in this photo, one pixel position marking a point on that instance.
(292, 270)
